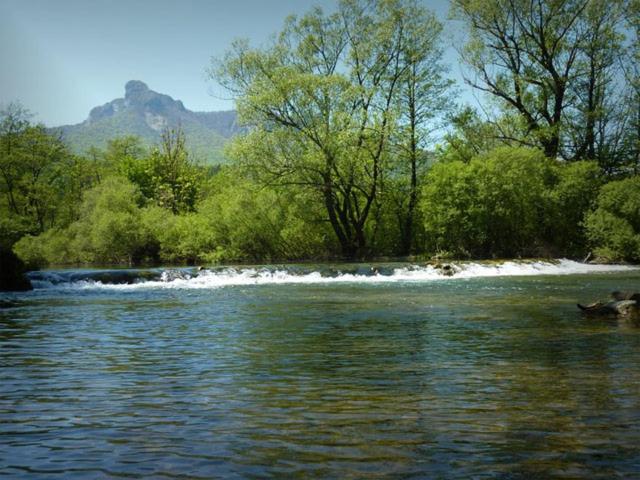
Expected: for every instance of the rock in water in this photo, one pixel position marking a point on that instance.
(614, 307)
(619, 296)
(626, 307)
(445, 269)
(12, 272)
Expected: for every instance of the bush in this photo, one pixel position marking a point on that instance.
(184, 238)
(249, 223)
(614, 227)
(491, 206)
(49, 247)
(574, 193)
(109, 230)
(508, 202)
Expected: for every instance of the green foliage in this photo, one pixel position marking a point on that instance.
(109, 231)
(329, 100)
(12, 228)
(574, 193)
(470, 135)
(249, 222)
(614, 227)
(36, 172)
(41, 182)
(238, 221)
(562, 69)
(488, 207)
(508, 202)
(122, 153)
(338, 159)
(166, 176)
(54, 246)
(184, 238)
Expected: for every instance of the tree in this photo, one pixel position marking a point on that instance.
(524, 52)
(252, 222)
(36, 170)
(422, 99)
(166, 175)
(321, 103)
(596, 122)
(123, 150)
(177, 178)
(631, 67)
(491, 206)
(470, 135)
(557, 65)
(110, 229)
(575, 187)
(14, 121)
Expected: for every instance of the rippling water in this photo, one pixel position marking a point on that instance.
(488, 377)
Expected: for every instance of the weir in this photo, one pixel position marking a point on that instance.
(216, 277)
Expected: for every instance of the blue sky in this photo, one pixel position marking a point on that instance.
(61, 58)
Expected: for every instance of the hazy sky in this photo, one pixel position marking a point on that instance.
(61, 58)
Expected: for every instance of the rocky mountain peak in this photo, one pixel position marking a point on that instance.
(141, 100)
(146, 113)
(134, 88)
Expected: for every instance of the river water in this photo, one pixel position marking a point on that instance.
(340, 371)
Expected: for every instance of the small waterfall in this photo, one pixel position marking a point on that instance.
(192, 278)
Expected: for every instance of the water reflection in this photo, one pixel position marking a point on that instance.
(496, 378)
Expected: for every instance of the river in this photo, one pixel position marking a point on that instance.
(342, 371)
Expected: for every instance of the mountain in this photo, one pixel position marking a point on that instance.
(146, 113)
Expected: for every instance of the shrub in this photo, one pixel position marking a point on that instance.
(261, 224)
(573, 194)
(491, 206)
(614, 227)
(184, 238)
(508, 202)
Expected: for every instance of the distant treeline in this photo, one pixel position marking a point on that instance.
(354, 148)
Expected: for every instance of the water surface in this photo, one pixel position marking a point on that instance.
(485, 377)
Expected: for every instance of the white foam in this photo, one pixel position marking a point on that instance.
(409, 274)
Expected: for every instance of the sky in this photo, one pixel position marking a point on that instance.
(61, 58)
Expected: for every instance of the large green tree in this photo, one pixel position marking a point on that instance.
(322, 103)
(632, 76)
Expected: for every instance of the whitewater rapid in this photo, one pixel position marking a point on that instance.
(242, 276)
